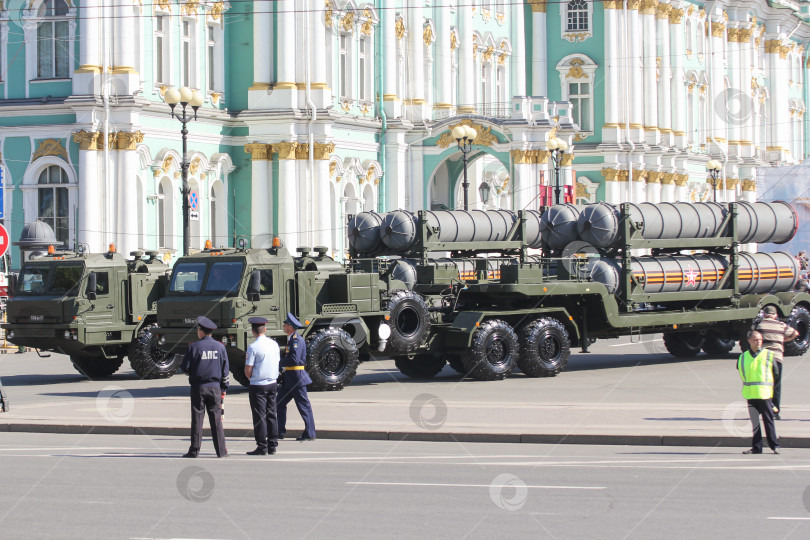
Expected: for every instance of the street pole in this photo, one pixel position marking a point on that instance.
(464, 135)
(557, 148)
(185, 97)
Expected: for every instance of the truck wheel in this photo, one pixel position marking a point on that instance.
(494, 352)
(421, 366)
(150, 361)
(237, 366)
(95, 366)
(799, 319)
(332, 359)
(544, 348)
(683, 344)
(409, 321)
(455, 362)
(716, 345)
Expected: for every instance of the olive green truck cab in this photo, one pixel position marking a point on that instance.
(342, 310)
(95, 307)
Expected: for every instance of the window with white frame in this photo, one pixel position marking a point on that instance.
(577, 73)
(343, 66)
(164, 214)
(364, 69)
(577, 18)
(3, 42)
(187, 47)
(483, 93)
(210, 56)
(53, 40)
(53, 201)
(500, 84)
(161, 49)
(700, 38)
(690, 40)
(691, 113)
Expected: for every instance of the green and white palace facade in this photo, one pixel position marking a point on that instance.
(317, 109)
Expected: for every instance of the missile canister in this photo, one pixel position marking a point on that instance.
(757, 273)
(399, 228)
(760, 222)
(560, 225)
(536, 233)
(364, 232)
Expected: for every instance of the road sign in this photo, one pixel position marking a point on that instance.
(195, 216)
(193, 200)
(4, 241)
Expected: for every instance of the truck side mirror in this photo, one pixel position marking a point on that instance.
(91, 286)
(12, 284)
(253, 286)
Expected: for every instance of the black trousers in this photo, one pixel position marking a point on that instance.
(763, 408)
(777, 385)
(263, 407)
(207, 398)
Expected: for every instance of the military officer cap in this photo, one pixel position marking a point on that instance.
(770, 310)
(206, 324)
(293, 321)
(257, 321)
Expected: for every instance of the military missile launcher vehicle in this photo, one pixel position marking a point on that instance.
(495, 291)
(95, 307)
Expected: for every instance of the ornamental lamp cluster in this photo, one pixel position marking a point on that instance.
(557, 148)
(464, 136)
(714, 167)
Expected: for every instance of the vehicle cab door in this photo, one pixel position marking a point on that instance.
(265, 293)
(99, 292)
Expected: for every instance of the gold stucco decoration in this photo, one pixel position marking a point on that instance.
(328, 12)
(332, 169)
(367, 25)
(749, 185)
(347, 22)
(128, 141)
(575, 70)
(323, 150)
(165, 5)
(528, 157)
(399, 28)
(50, 147)
(88, 140)
(285, 150)
(217, 10)
(189, 7)
(194, 166)
(538, 6)
(453, 41)
(484, 135)
(259, 151)
(427, 35)
(486, 56)
(167, 163)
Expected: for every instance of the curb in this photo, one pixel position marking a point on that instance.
(431, 436)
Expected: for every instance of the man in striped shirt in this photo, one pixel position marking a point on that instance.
(774, 335)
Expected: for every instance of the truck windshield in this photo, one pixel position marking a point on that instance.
(187, 277)
(224, 277)
(66, 280)
(57, 279)
(33, 280)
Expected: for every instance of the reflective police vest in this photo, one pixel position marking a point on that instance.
(756, 373)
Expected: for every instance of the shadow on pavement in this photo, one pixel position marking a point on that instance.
(165, 391)
(581, 362)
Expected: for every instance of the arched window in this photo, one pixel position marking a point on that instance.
(53, 201)
(577, 19)
(577, 78)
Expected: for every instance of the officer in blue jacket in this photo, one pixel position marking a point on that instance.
(206, 363)
(294, 380)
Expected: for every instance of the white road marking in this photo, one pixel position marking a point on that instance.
(423, 484)
(791, 518)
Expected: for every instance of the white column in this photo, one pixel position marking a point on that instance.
(305, 219)
(416, 187)
(682, 190)
(636, 74)
(89, 48)
(654, 188)
(650, 51)
(127, 202)
(668, 188)
(613, 70)
(525, 185)
(717, 90)
(539, 51)
(466, 76)
(124, 37)
(262, 43)
(416, 53)
(284, 92)
(90, 225)
(395, 172)
(388, 22)
(321, 93)
(518, 67)
(288, 220)
(778, 115)
(665, 82)
(261, 202)
(613, 191)
(322, 235)
(443, 97)
(747, 133)
(678, 111)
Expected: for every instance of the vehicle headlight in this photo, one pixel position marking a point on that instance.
(11, 335)
(67, 334)
(162, 340)
(384, 331)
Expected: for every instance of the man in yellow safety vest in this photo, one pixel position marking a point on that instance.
(756, 371)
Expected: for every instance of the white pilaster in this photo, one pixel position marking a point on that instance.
(649, 71)
(443, 97)
(518, 68)
(717, 91)
(613, 69)
(526, 186)
(539, 51)
(636, 74)
(261, 204)
(89, 207)
(668, 191)
(678, 88)
(391, 101)
(262, 53)
(416, 73)
(323, 216)
(288, 219)
(665, 81)
(127, 201)
(395, 173)
(466, 71)
(284, 92)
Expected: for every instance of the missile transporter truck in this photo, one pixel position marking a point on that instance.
(479, 297)
(95, 307)
(342, 310)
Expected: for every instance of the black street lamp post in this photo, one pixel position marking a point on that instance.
(557, 148)
(714, 168)
(464, 136)
(185, 97)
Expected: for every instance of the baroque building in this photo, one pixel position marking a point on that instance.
(317, 109)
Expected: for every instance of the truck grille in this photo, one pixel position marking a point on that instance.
(339, 308)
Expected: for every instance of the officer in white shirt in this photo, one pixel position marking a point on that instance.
(261, 367)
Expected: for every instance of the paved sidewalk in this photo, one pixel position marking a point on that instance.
(622, 393)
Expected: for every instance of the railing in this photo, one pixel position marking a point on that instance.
(494, 110)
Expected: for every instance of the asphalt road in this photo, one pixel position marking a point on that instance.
(108, 486)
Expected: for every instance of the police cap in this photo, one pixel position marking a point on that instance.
(257, 321)
(293, 321)
(206, 324)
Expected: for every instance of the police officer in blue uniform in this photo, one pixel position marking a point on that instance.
(206, 363)
(262, 368)
(294, 380)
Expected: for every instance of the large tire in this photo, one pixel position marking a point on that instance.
(544, 348)
(494, 352)
(409, 322)
(455, 362)
(95, 366)
(150, 361)
(715, 344)
(332, 359)
(237, 367)
(799, 319)
(683, 344)
(420, 366)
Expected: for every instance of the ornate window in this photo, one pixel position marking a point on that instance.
(575, 17)
(364, 69)
(53, 40)
(343, 66)
(53, 201)
(210, 56)
(188, 51)
(160, 52)
(577, 79)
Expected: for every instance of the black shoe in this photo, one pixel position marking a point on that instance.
(224, 456)
(303, 438)
(281, 435)
(776, 450)
(257, 452)
(777, 416)
(271, 451)
(190, 454)
(751, 451)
